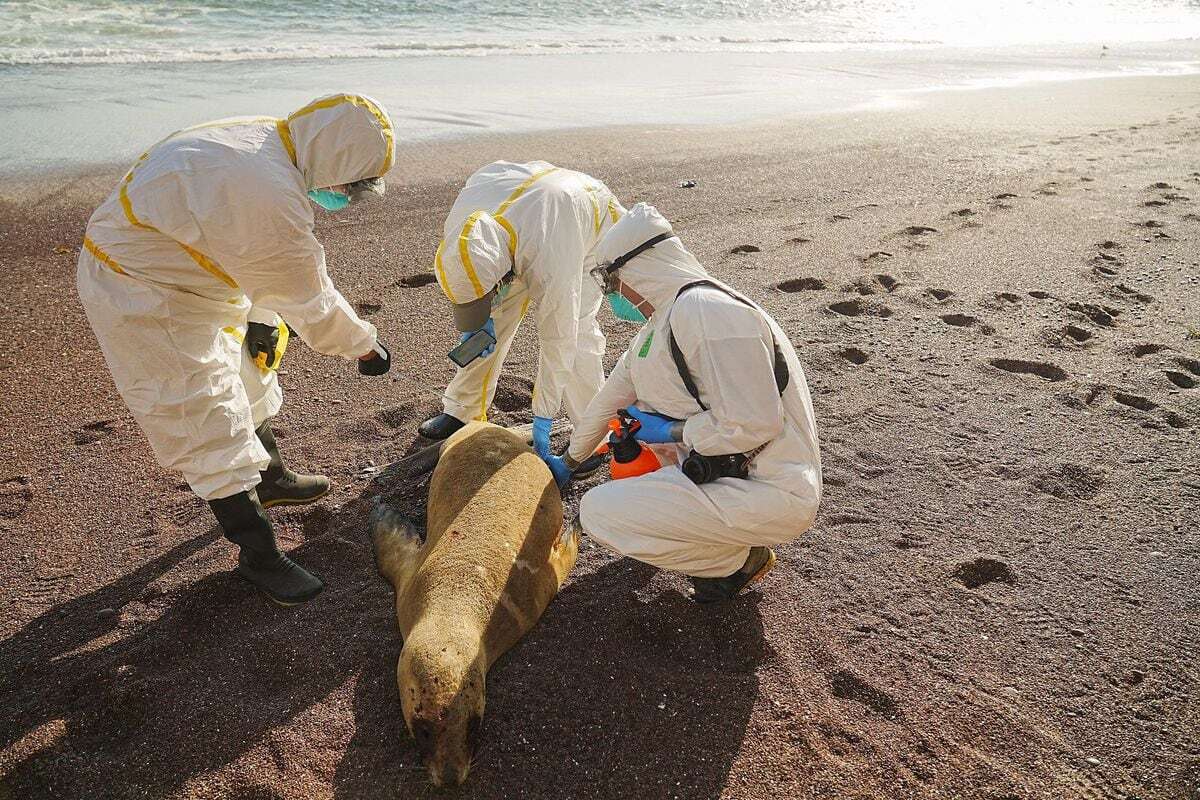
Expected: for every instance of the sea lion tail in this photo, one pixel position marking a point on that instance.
(397, 544)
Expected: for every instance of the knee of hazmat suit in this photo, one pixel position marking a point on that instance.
(210, 227)
(537, 225)
(729, 347)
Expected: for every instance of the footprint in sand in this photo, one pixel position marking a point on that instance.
(1161, 185)
(1038, 369)
(742, 249)
(848, 686)
(1070, 336)
(918, 230)
(1150, 223)
(416, 281)
(1048, 189)
(1070, 482)
(982, 571)
(1146, 405)
(367, 309)
(873, 284)
(1122, 291)
(94, 431)
(15, 497)
(962, 212)
(1181, 379)
(940, 295)
(1100, 315)
(1155, 203)
(799, 240)
(838, 218)
(793, 285)
(877, 255)
(965, 321)
(1148, 349)
(857, 308)
(1190, 364)
(1038, 294)
(854, 355)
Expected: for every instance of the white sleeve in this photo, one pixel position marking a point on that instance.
(556, 276)
(265, 242)
(617, 392)
(735, 370)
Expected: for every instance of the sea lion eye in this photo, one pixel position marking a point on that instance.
(474, 725)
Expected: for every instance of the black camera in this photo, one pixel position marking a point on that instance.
(706, 469)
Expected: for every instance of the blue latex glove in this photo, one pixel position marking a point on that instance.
(560, 471)
(541, 437)
(490, 327)
(656, 429)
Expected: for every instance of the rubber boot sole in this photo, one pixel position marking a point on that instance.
(281, 603)
(763, 570)
(287, 501)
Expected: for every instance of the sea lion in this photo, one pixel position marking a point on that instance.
(494, 556)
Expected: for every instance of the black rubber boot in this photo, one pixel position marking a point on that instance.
(716, 590)
(440, 427)
(280, 485)
(245, 524)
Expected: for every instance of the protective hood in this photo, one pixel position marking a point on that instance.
(340, 139)
(469, 265)
(656, 274)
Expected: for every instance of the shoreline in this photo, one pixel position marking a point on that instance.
(15, 182)
(442, 99)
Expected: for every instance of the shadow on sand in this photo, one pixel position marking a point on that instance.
(620, 690)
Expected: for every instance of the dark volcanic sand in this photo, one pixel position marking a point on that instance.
(999, 599)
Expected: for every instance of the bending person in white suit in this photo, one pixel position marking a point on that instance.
(185, 273)
(521, 234)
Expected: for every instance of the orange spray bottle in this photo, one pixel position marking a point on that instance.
(629, 457)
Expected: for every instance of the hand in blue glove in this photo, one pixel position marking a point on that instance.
(541, 437)
(560, 471)
(656, 429)
(490, 327)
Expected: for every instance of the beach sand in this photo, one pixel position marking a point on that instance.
(991, 292)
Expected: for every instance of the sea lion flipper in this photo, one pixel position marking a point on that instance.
(397, 544)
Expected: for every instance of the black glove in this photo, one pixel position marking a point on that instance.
(378, 363)
(262, 339)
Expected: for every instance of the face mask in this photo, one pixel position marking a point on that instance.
(329, 200)
(624, 309)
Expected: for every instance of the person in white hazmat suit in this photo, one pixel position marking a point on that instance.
(187, 273)
(732, 401)
(522, 233)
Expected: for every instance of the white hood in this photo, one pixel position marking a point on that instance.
(656, 274)
(341, 139)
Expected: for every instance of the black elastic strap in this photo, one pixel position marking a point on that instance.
(621, 261)
(783, 375)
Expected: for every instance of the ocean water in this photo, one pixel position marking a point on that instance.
(155, 31)
(91, 81)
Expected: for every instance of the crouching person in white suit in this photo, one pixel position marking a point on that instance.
(728, 413)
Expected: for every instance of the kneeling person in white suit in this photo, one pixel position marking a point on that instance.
(730, 409)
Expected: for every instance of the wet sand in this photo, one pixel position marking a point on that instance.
(996, 295)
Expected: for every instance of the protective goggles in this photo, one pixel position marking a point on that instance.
(605, 275)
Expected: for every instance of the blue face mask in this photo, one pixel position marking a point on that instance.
(329, 200)
(623, 309)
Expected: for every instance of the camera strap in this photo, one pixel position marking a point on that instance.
(782, 374)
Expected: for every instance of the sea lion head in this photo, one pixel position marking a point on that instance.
(442, 694)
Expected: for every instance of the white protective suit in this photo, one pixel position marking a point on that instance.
(662, 518)
(210, 229)
(540, 222)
